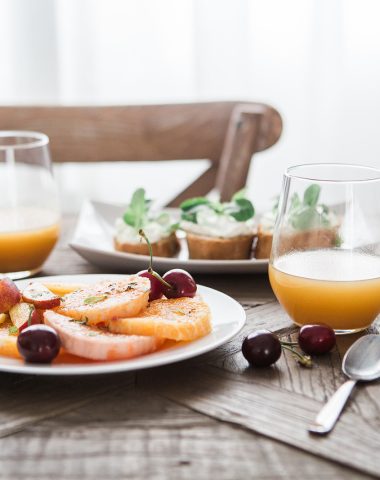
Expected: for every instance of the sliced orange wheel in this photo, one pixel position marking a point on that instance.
(176, 319)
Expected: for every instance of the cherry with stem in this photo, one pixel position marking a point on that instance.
(175, 283)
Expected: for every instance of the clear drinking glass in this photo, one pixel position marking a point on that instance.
(325, 261)
(29, 208)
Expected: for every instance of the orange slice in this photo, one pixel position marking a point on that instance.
(8, 343)
(105, 300)
(176, 319)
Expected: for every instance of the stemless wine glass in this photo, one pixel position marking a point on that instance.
(29, 210)
(325, 261)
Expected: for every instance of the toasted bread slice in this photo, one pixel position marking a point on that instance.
(166, 247)
(98, 343)
(103, 301)
(176, 318)
(264, 244)
(211, 248)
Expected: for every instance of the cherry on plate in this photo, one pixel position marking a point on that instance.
(261, 348)
(156, 286)
(181, 282)
(38, 344)
(316, 339)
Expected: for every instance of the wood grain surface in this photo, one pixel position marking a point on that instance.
(209, 417)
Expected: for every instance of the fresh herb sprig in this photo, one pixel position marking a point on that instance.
(308, 213)
(137, 211)
(138, 215)
(240, 208)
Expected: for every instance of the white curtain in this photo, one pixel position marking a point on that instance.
(317, 61)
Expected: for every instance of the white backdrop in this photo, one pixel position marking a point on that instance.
(317, 61)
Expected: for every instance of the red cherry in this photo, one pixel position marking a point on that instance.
(181, 282)
(261, 348)
(316, 339)
(156, 286)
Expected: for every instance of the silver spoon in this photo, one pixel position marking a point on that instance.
(361, 363)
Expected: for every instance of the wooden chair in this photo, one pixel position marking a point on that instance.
(226, 133)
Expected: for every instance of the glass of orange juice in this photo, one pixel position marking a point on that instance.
(29, 208)
(325, 261)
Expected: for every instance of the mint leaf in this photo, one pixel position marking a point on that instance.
(304, 218)
(189, 216)
(311, 195)
(244, 210)
(95, 299)
(194, 202)
(135, 214)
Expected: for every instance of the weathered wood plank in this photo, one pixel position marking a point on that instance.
(270, 411)
(25, 400)
(162, 440)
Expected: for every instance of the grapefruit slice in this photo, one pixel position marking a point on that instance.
(102, 301)
(176, 319)
(96, 343)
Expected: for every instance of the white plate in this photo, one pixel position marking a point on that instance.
(228, 317)
(93, 240)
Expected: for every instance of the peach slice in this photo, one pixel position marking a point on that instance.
(24, 314)
(40, 296)
(9, 294)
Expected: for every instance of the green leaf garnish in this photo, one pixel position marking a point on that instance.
(189, 217)
(137, 210)
(245, 210)
(95, 299)
(82, 321)
(13, 330)
(307, 214)
(311, 195)
(240, 208)
(194, 202)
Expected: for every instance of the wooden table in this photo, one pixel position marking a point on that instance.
(210, 417)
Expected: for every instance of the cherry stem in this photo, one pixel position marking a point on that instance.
(304, 360)
(150, 268)
(290, 344)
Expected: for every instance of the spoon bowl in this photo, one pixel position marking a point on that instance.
(362, 360)
(360, 363)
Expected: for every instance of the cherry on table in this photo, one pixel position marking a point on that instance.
(261, 348)
(316, 339)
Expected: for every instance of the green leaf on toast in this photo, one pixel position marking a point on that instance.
(244, 210)
(137, 210)
(194, 202)
(311, 195)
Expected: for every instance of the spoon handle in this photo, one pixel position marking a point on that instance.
(330, 412)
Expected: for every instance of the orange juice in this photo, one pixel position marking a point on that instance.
(336, 287)
(27, 236)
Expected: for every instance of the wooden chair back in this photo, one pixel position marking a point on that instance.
(225, 133)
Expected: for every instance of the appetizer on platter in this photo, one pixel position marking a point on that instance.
(159, 228)
(109, 320)
(309, 224)
(219, 231)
